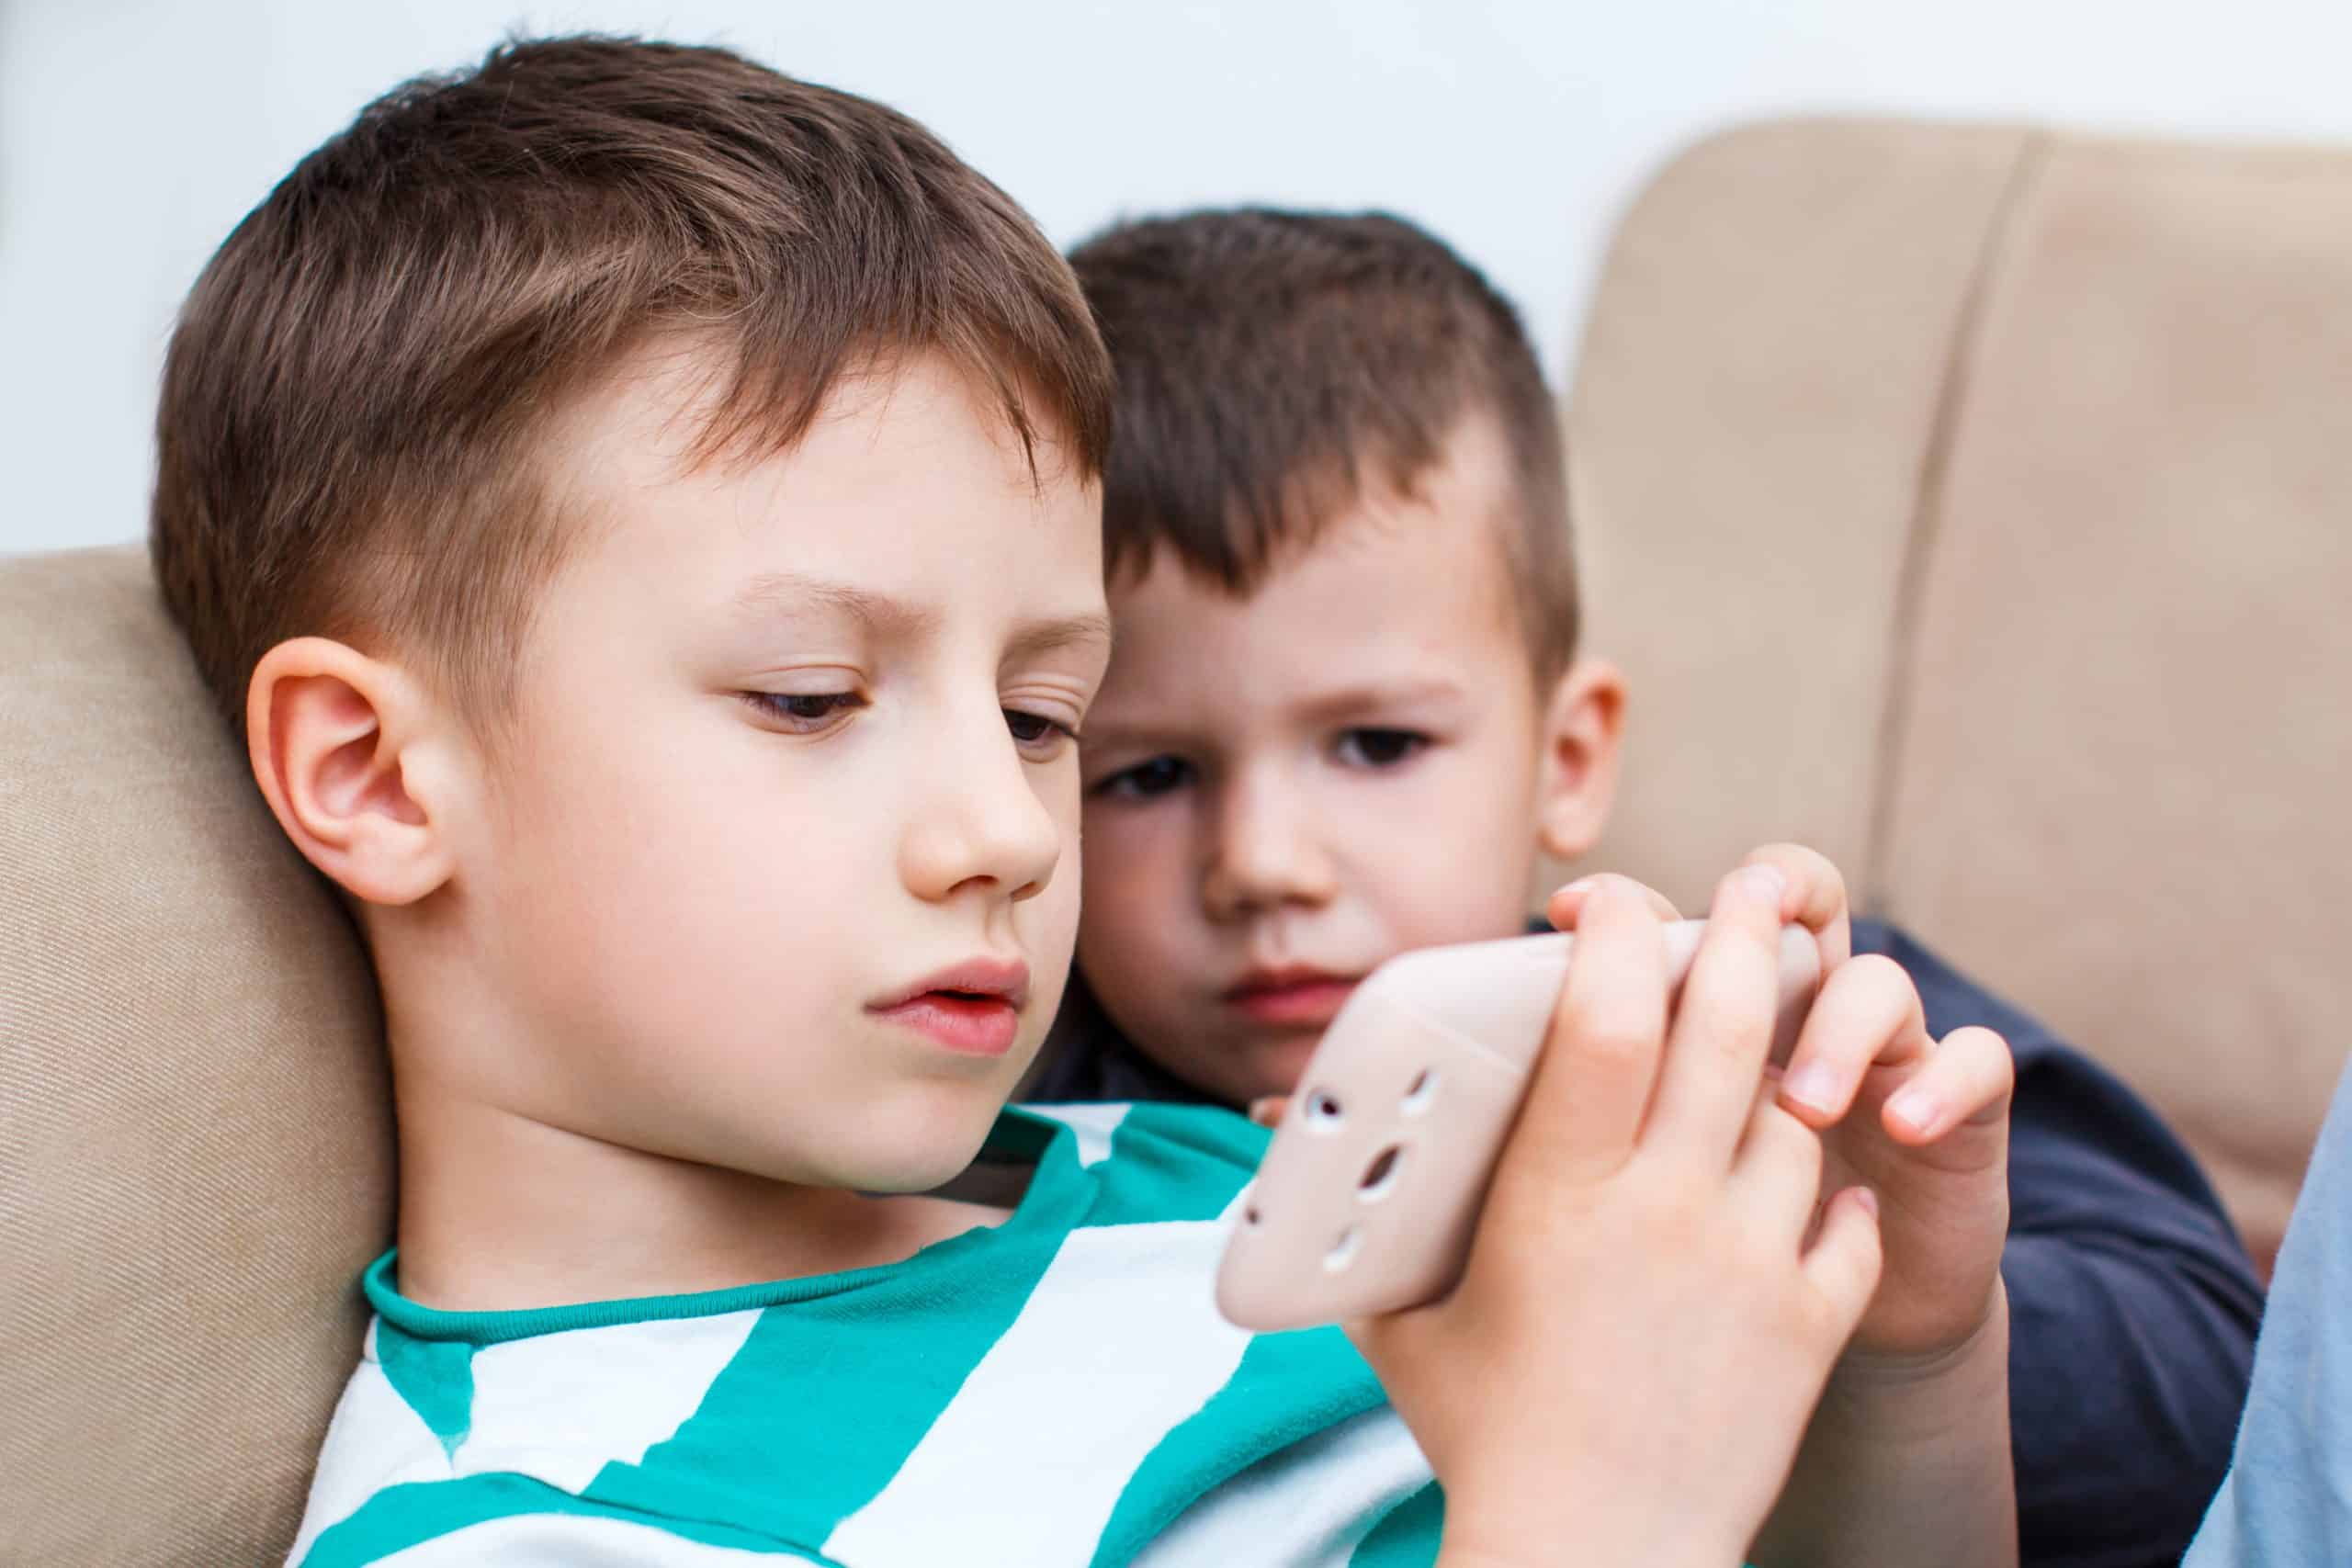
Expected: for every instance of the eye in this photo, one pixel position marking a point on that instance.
(803, 713)
(1147, 780)
(1380, 748)
(1034, 733)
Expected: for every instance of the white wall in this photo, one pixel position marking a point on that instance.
(133, 133)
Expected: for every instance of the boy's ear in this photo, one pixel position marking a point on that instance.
(341, 746)
(1582, 720)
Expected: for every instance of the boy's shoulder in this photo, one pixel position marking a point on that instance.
(1153, 1159)
(1058, 1387)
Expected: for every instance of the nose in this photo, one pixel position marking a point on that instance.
(980, 823)
(1263, 851)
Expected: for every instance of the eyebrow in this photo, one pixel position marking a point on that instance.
(1351, 700)
(787, 591)
(1324, 709)
(1091, 629)
(883, 614)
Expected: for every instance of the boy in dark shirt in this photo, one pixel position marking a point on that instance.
(1348, 711)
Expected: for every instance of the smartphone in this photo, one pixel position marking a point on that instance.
(1365, 1200)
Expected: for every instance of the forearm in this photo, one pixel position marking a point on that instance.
(1499, 1542)
(1905, 1461)
(1592, 1517)
(1573, 1554)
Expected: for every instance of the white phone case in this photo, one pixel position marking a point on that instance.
(1367, 1197)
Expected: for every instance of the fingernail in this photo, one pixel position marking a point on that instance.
(1764, 883)
(1582, 885)
(1868, 1199)
(1812, 1086)
(1915, 1108)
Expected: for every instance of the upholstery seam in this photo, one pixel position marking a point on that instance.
(1925, 526)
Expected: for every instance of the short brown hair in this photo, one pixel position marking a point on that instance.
(1271, 364)
(353, 390)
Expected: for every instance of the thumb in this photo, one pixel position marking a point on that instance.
(1846, 1258)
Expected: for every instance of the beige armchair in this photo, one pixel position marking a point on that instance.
(1976, 505)
(1969, 502)
(195, 1124)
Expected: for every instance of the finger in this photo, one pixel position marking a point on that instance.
(1965, 1081)
(1777, 1172)
(1816, 898)
(1845, 1260)
(1267, 1110)
(1564, 907)
(1867, 1014)
(1723, 1026)
(1583, 1112)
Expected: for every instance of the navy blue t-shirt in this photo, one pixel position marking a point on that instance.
(2133, 1305)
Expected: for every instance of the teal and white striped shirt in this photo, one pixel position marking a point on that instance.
(1057, 1389)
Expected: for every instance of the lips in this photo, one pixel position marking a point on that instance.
(1295, 996)
(972, 1008)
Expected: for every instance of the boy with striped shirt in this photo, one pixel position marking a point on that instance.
(640, 513)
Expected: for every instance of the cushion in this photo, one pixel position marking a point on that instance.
(195, 1141)
(1969, 502)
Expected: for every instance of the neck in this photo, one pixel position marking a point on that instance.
(500, 1213)
(504, 1210)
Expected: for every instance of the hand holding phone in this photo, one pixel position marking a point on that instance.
(1653, 1297)
(1367, 1197)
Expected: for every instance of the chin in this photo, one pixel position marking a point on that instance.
(1267, 1066)
(917, 1143)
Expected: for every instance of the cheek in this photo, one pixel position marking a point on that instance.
(1136, 893)
(675, 880)
(1451, 859)
(1133, 862)
(1049, 922)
